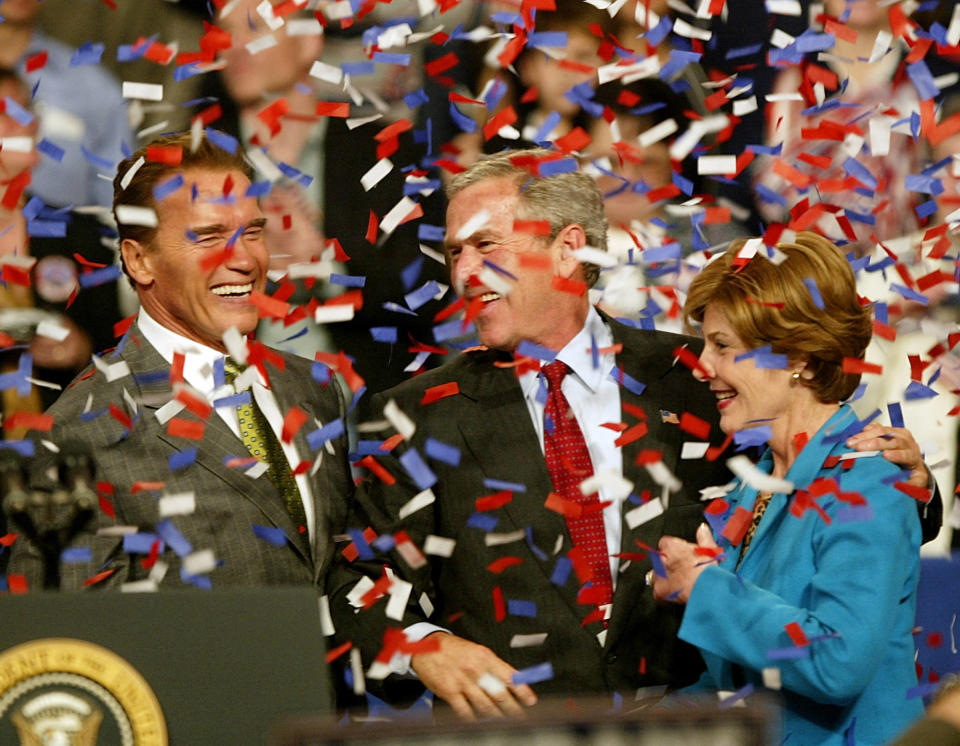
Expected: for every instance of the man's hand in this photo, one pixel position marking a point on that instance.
(898, 447)
(683, 563)
(471, 679)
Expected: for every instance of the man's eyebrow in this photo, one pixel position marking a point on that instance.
(477, 235)
(206, 230)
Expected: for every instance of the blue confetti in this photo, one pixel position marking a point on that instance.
(753, 436)
(628, 382)
(46, 228)
(791, 653)
(76, 554)
(417, 468)
(397, 308)
(388, 58)
(896, 414)
(547, 39)
(99, 276)
(182, 460)
(533, 675)
(427, 232)
(909, 294)
(451, 329)
(736, 697)
(814, 292)
(333, 429)
(559, 166)
(411, 272)
(416, 98)
(167, 187)
(358, 69)
(443, 452)
(364, 551)
(141, 543)
(101, 163)
(500, 485)
(387, 334)
(522, 608)
(922, 80)
(174, 539)
(235, 400)
(424, 294)
(483, 521)
(917, 390)
(50, 150)
(87, 54)
(228, 143)
(531, 349)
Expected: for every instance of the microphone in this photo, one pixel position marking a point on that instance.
(13, 483)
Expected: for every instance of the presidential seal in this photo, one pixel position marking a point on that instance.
(63, 692)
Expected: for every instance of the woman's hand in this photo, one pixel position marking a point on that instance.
(683, 563)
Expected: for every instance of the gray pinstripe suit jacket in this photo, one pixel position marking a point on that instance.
(228, 503)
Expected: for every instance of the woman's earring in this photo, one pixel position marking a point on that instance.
(796, 375)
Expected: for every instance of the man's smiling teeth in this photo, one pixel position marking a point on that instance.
(233, 289)
(487, 297)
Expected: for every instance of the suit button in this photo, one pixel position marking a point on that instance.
(611, 658)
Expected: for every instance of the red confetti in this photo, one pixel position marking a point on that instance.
(736, 527)
(498, 566)
(796, 634)
(494, 501)
(442, 391)
(292, 423)
(178, 427)
(564, 285)
(194, 404)
(29, 420)
(373, 465)
(170, 155)
(697, 427)
(853, 365)
(499, 606)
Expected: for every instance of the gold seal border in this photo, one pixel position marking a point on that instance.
(113, 673)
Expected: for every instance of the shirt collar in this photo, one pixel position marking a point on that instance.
(578, 356)
(198, 358)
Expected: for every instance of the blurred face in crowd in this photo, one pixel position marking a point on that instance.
(863, 13)
(632, 161)
(532, 310)
(17, 153)
(18, 12)
(273, 70)
(553, 80)
(207, 257)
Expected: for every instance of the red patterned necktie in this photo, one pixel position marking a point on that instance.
(568, 462)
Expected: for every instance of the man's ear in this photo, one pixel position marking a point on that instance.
(570, 238)
(136, 258)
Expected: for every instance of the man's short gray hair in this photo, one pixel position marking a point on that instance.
(568, 198)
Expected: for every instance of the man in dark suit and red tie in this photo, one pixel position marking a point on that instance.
(224, 461)
(499, 547)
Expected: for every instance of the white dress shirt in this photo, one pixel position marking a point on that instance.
(594, 397)
(198, 372)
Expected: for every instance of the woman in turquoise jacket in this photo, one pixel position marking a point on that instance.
(812, 588)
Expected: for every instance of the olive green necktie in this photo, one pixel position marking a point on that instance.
(261, 441)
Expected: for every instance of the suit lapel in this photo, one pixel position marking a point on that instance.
(633, 361)
(215, 448)
(501, 438)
